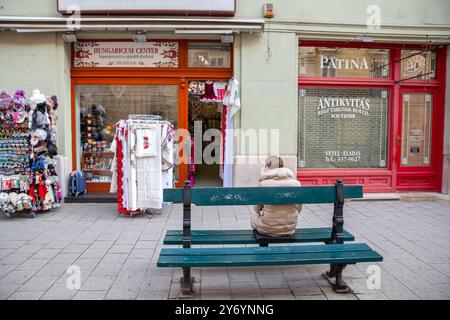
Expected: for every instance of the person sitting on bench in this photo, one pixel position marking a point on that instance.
(276, 220)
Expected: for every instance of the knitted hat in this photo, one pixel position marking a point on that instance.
(39, 164)
(36, 97)
(52, 149)
(5, 101)
(19, 99)
(37, 135)
(13, 198)
(55, 102)
(39, 119)
(25, 200)
(3, 197)
(98, 110)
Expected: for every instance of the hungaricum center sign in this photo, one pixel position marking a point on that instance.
(157, 7)
(109, 54)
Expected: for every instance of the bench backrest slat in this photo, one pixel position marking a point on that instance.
(261, 195)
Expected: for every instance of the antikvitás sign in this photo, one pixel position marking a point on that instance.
(94, 54)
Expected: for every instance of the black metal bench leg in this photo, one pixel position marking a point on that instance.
(186, 283)
(335, 272)
(187, 280)
(337, 237)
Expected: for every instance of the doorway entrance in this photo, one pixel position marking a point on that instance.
(416, 143)
(205, 126)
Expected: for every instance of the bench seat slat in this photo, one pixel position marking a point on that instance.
(175, 237)
(264, 259)
(276, 250)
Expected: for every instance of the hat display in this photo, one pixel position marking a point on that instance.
(36, 98)
(27, 145)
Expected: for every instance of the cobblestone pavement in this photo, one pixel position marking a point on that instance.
(117, 255)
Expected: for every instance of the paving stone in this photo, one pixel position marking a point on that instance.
(15, 258)
(272, 282)
(59, 294)
(398, 292)
(314, 297)
(75, 248)
(372, 296)
(215, 283)
(215, 295)
(107, 269)
(153, 295)
(33, 264)
(6, 268)
(156, 283)
(141, 253)
(333, 295)
(244, 290)
(65, 258)
(121, 248)
(101, 244)
(305, 288)
(38, 283)
(7, 289)
(52, 269)
(277, 294)
(97, 283)
(26, 295)
(145, 244)
(91, 253)
(28, 248)
(17, 277)
(90, 295)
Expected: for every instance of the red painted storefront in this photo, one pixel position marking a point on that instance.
(395, 176)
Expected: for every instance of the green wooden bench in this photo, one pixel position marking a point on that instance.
(333, 252)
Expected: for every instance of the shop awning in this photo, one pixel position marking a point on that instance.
(177, 25)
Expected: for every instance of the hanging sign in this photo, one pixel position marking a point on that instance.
(97, 54)
(413, 66)
(156, 7)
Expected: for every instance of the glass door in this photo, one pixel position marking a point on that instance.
(417, 163)
(416, 130)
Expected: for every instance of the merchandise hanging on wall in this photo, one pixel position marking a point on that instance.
(231, 104)
(28, 144)
(143, 163)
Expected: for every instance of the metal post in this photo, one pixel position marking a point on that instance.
(186, 281)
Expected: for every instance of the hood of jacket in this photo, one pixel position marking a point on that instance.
(277, 174)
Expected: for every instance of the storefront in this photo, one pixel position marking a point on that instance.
(114, 79)
(371, 114)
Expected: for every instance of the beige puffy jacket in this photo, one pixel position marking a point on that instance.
(276, 220)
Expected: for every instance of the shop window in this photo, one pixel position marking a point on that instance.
(101, 106)
(343, 62)
(342, 128)
(420, 65)
(416, 129)
(209, 55)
